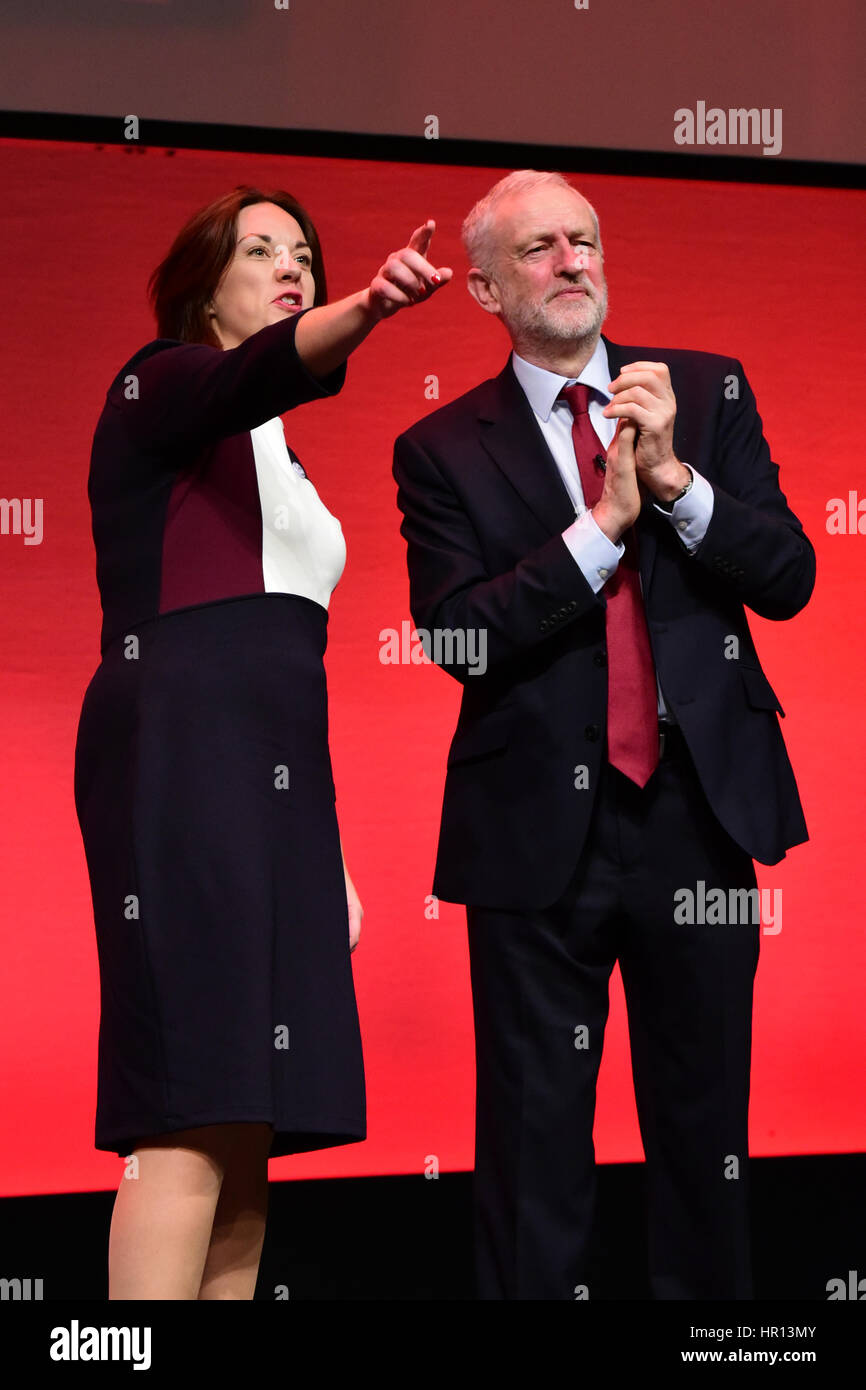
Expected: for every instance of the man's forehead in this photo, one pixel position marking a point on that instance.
(543, 210)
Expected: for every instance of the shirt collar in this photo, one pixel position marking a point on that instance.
(542, 386)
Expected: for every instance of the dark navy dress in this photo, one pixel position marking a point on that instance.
(203, 781)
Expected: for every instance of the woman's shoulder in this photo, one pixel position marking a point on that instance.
(172, 393)
(149, 350)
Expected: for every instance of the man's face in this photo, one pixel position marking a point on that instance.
(548, 280)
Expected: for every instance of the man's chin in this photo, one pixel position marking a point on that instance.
(572, 322)
(571, 327)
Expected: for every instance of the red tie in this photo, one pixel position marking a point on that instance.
(632, 698)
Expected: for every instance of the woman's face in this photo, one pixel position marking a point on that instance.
(268, 277)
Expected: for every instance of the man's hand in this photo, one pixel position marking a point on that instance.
(619, 504)
(407, 277)
(643, 395)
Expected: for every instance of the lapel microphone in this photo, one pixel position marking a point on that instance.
(601, 463)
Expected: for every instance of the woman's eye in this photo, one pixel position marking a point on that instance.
(257, 248)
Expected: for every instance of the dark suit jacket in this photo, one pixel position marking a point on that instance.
(483, 510)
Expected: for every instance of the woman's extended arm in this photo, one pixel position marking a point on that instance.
(325, 336)
(175, 397)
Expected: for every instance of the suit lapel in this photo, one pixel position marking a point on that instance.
(511, 435)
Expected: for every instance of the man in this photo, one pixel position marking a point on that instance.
(621, 746)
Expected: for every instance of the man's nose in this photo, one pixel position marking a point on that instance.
(569, 261)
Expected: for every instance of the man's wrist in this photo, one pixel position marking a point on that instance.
(611, 527)
(673, 485)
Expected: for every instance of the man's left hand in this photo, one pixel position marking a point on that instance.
(643, 394)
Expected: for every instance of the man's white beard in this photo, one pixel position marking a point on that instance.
(540, 327)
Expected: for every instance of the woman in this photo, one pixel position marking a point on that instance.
(228, 1029)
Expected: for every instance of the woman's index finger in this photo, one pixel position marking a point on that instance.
(422, 236)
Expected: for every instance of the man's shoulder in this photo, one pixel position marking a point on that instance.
(697, 362)
(496, 395)
(457, 415)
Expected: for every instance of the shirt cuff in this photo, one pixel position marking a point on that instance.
(690, 516)
(595, 553)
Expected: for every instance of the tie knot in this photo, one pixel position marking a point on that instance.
(577, 397)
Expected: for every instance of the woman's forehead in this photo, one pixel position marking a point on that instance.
(266, 219)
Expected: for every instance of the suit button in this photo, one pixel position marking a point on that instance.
(599, 658)
(591, 733)
(563, 613)
(572, 606)
(543, 625)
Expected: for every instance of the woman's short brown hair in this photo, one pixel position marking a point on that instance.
(182, 285)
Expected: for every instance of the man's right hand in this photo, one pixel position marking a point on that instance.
(620, 501)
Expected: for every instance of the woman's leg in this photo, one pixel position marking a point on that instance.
(232, 1263)
(163, 1217)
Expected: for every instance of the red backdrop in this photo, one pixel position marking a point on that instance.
(770, 275)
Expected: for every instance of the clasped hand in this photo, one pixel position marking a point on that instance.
(641, 459)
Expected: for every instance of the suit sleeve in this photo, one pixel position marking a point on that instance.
(189, 395)
(449, 587)
(754, 545)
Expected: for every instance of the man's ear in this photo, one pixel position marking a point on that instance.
(482, 290)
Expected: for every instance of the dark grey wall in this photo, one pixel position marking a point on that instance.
(611, 75)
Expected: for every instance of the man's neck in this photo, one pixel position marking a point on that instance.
(563, 358)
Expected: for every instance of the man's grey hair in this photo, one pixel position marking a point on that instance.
(478, 227)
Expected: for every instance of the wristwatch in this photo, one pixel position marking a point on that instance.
(669, 506)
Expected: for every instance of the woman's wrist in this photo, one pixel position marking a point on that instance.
(327, 333)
